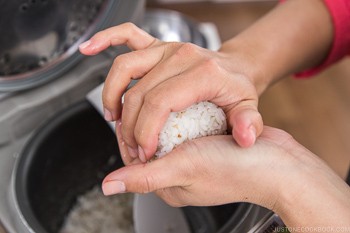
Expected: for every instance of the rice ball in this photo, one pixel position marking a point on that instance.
(199, 120)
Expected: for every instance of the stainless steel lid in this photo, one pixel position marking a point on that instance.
(39, 38)
(169, 25)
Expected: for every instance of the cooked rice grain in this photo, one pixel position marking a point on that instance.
(199, 120)
(96, 213)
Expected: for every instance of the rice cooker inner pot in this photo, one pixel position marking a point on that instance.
(70, 155)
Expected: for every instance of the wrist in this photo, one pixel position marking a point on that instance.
(273, 49)
(312, 195)
(242, 56)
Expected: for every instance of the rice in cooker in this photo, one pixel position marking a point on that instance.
(199, 120)
(96, 213)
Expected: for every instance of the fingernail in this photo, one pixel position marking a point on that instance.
(252, 131)
(108, 115)
(132, 152)
(118, 122)
(113, 187)
(85, 44)
(142, 155)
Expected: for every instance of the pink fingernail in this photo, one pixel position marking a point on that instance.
(142, 155)
(113, 187)
(85, 44)
(252, 131)
(108, 115)
(132, 152)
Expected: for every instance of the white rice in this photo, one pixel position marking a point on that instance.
(199, 120)
(96, 213)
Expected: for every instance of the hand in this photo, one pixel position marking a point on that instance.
(277, 173)
(172, 76)
(186, 175)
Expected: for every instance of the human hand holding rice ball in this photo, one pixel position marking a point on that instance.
(172, 77)
(199, 120)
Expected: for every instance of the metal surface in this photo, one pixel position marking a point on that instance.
(65, 84)
(95, 99)
(151, 215)
(39, 38)
(71, 153)
(269, 224)
(170, 25)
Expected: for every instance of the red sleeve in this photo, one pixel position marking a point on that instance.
(340, 13)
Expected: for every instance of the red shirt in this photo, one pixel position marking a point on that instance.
(340, 13)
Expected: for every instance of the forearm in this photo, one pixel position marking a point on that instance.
(297, 185)
(320, 200)
(294, 36)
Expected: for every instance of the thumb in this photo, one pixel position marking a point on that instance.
(144, 178)
(246, 123)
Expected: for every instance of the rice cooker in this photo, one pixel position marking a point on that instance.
(42, 73)
(54, 145)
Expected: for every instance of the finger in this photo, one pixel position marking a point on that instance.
(134, 97)
(144, 178)
(174, 95)
(126, 67)
(124, 154)
(246, 122)
(123, 34)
